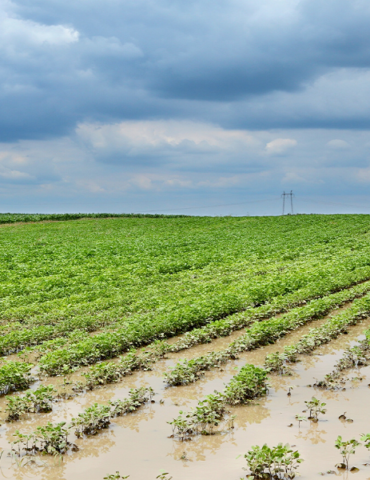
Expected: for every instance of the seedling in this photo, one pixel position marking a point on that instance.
(116, 476)
(163, 476)
(300, 418)
(365, 437)
(346, 449)
(316, 407)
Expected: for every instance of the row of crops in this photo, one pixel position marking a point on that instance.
(80, 294)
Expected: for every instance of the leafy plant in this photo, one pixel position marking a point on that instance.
(15, 376)
(316, 408)
(116, 476)
(276, 462)
(300, 418)
(39, 400)
(92, 420)
(249, 383)
(346, 448)
(50, 439)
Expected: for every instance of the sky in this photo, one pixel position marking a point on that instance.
(195, 107)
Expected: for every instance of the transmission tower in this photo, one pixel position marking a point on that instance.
(291, 195)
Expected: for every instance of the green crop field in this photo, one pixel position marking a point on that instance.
(79, 291)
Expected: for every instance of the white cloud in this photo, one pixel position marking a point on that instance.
(280, 145)
(338, 144)
(137, 138)
(17, 33)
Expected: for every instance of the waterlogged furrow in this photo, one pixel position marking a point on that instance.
(327, 332)
(53, 439)
(268, 332)
(249, 383)
(353, 357)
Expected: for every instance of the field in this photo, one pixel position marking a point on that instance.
(170, 346)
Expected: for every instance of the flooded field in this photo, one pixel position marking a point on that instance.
(139, 445)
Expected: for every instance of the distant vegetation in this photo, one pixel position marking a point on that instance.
(40, 217)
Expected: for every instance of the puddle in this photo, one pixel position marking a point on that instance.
(138, 444)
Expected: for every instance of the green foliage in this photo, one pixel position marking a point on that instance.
(352, 357)
(365, 437)
(50, 439)
(39, 400)
(271, 330)
(276, 462)
(316, 408)
(249, 383)
(92, 420)
(116, 476)
(246, 385)
(53, 439)
(346, 448)
(15, 376)
(97, 417)
(142, 279)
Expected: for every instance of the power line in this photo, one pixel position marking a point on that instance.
(290, 194)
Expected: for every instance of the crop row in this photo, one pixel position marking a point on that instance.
(15, 376)
(330, 330)
(53, 439)
(352, 357)
(263, 333)
(250, 382)
(110, 344)
(20, 338)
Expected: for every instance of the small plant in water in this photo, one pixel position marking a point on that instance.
(365, 437)
(116, 476)
(346, 449)
(276, 462)
(300, 418)
(50, 439)
(163, 476)
(316, 407)
(91, 420)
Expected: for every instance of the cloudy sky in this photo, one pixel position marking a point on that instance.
(198, 107)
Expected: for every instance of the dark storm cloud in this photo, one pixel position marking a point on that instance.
(67, 62)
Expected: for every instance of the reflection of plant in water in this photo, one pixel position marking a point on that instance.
(117, 476)
(200, 447)
(346, 449)
(313, 434)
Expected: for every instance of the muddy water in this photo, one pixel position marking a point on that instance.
(137, 445)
